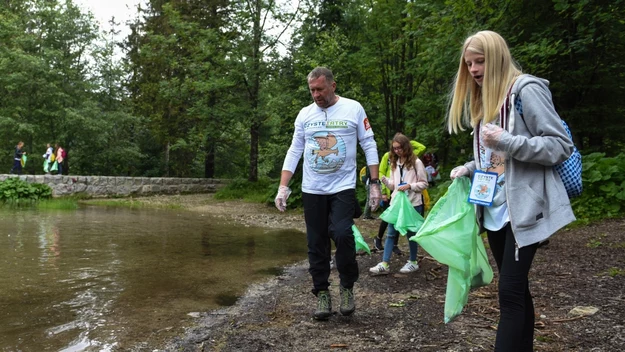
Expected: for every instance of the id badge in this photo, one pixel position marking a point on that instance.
(483, 188)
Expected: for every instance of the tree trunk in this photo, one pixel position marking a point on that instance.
(254, 137)
(209, 159)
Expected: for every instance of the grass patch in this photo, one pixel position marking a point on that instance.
(596, 242)
(132, 204)
(613, 272)
(58, 204)
(253, 192)
(544, 338)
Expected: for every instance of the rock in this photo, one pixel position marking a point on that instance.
(583, 311)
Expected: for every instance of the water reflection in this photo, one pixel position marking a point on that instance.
(100, 279)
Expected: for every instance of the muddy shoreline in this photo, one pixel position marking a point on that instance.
(580, 267)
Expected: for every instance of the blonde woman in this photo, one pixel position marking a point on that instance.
(517, 137)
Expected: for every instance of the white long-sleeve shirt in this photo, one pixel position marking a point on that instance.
(327, 138)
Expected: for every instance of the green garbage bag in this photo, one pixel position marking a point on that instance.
(24, 159)
(402, 215)
(361, 244)
(46, 166)
(55, 166)
(450, 235)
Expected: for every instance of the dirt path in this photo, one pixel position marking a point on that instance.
(582, 267)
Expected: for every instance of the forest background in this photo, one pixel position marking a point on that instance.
(210, 88)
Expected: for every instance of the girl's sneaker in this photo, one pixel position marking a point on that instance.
(380, 269)
(409, 267)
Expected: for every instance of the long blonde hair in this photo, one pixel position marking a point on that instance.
(470, 103)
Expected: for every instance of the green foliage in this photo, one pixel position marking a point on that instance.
(14, 190)
(438, 191)
(604, 188)
(257, 192)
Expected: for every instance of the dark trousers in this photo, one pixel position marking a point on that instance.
(329, 217)
(516, 323)
(60, 168)
(17, 167)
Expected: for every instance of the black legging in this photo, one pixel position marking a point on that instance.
(516, 323)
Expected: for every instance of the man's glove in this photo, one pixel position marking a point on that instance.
(375, 195)
(458, 171)
(491, 135)
(283, 194)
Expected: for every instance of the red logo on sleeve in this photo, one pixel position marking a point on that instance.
(367, 125)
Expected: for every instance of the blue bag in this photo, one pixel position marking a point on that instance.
(570, 170)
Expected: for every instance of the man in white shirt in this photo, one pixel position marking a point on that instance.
(326, 134)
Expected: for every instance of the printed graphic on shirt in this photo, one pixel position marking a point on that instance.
(335, 124)
(367, 125)
(327, 152)
(494, 161)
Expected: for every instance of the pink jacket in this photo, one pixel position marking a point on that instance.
(59, 155)
(416, 177)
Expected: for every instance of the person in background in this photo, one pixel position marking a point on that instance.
(17, 158)
(521, 149)
(59, 152)
(385, 170)
(432, 174)
(49, 158)
(407, 175)
(326, 134)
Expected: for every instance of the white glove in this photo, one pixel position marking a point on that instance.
(375, 196)
(384, 180)
(283, 194)
(491, 135)
(458, 171)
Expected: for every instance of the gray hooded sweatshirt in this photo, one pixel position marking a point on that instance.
(537, 200)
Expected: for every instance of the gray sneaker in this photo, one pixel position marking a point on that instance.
(347, 300)
(324, 305)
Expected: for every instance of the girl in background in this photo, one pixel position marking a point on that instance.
(17, 158)
(407, 175)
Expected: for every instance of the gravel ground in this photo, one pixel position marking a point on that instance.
(580, 267)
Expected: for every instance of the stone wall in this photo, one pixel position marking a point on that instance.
(109, 186)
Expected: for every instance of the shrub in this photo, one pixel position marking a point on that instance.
(16, 190)
(604, 188)
(257, 192)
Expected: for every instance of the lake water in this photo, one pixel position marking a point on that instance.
(108, 279)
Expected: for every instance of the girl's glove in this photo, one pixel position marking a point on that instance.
(491, 135)
(283, 194)
(458, 171)
(384, 180)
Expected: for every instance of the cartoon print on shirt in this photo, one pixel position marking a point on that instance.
(327, 152)
(325, 146)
